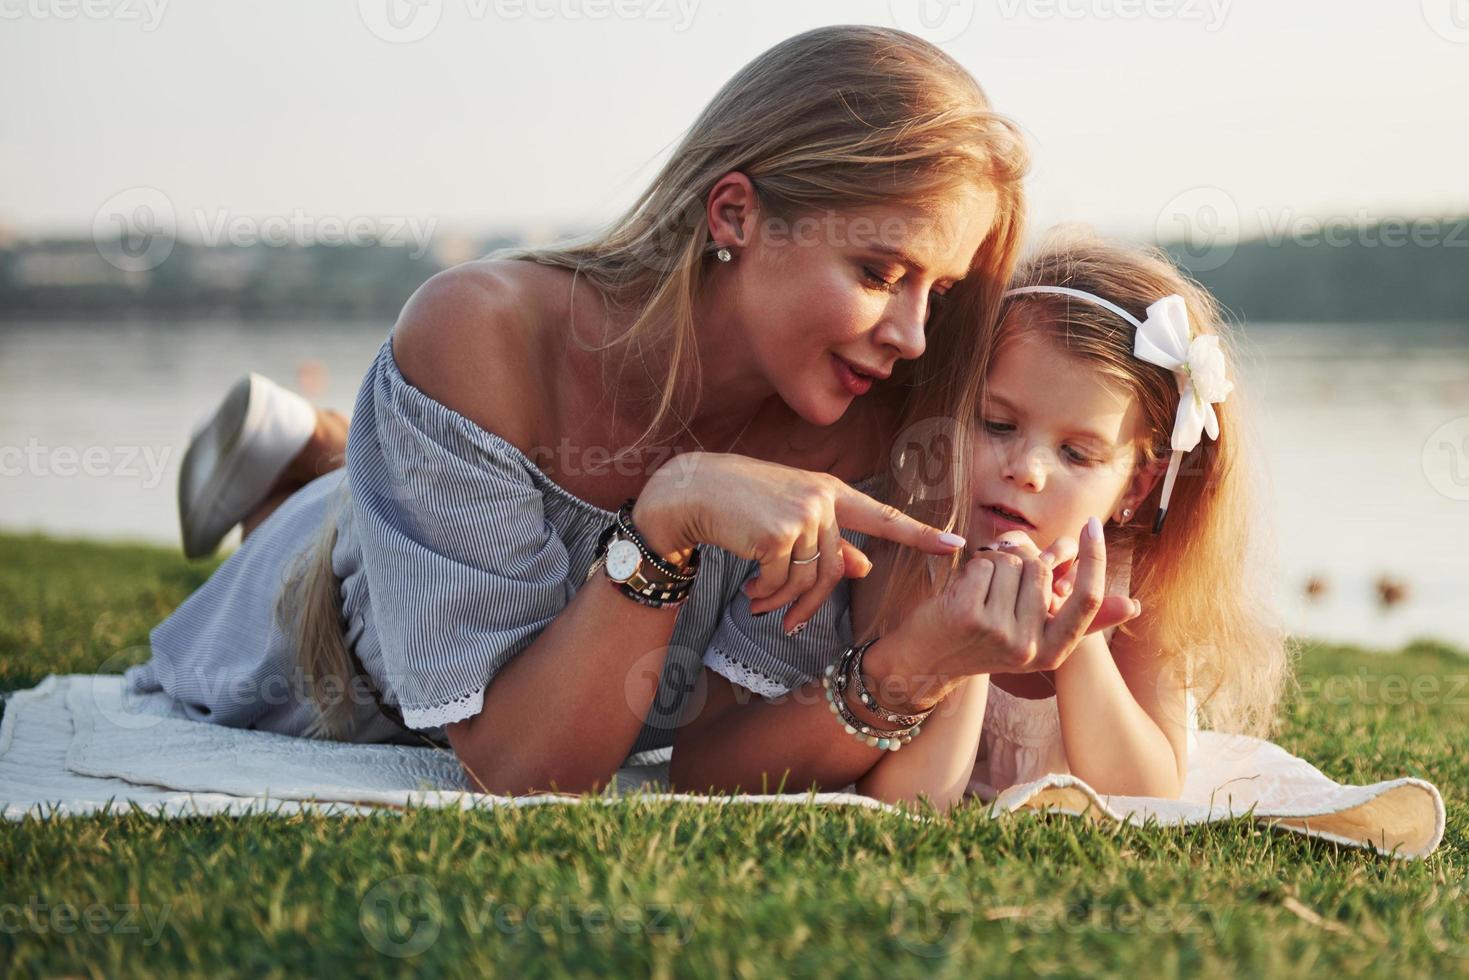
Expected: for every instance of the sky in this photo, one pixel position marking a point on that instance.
(534, 115)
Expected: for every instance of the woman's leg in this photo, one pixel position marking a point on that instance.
(324, 452)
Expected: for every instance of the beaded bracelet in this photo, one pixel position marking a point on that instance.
(834, 682)
(865, 696)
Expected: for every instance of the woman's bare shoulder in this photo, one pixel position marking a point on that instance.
(474, 338)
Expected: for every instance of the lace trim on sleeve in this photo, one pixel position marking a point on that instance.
(762, 684)
(445, 712)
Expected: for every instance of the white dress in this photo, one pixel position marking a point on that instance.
(1021, 737)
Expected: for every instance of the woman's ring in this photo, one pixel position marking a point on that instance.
(805, 561)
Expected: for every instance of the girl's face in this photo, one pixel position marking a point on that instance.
(1057, 443)
(831, 304)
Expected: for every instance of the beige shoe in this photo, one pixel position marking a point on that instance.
(235, 456)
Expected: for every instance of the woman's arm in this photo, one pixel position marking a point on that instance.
(564, 712)
(1122, 719)
(734, 740)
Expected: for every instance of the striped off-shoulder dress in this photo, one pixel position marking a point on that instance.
(453, 552)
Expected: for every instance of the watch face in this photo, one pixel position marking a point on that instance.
(623, 559)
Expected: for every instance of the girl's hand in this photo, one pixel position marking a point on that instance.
(1002, 613)
(1061, 556)
(776, 515)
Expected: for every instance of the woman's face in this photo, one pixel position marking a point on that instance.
(831, 303)
(1056, 444)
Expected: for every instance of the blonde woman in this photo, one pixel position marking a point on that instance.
(728, 355)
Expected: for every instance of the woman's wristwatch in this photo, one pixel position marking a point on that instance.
(638, 572)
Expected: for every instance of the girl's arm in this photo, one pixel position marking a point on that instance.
(938, 763)
(1123, 718)
(732, 740)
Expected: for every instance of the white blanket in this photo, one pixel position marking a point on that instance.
(80, 743)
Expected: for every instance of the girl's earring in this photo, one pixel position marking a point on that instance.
(724, 254)
(1126, 514)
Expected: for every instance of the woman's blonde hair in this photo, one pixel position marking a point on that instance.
(1204, 581)
(833, 119)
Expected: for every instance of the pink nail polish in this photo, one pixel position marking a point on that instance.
(1093, 529)
(952, 540)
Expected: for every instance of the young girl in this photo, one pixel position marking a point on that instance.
(1068, 420)
(1106, 394)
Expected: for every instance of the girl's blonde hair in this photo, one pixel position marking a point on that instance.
(833, 119)
(1204, 582)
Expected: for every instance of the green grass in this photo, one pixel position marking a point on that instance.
(656, 888)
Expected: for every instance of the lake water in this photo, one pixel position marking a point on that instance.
(1364, 431)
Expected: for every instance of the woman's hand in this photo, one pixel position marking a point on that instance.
(778, 516)
(1008, 612)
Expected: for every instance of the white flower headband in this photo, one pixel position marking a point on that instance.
(1197, 363)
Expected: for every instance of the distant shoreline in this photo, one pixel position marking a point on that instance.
(1384, 272)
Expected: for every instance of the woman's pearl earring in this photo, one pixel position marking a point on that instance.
(724, 254)
(1127, 513)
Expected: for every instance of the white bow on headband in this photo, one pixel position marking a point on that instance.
(1197, 363)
